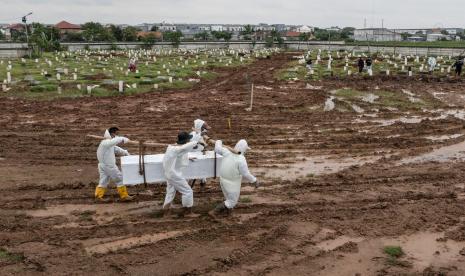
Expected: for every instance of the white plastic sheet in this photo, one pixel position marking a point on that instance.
(201, 167)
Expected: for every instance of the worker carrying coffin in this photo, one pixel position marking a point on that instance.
(107, 165)
(233, 169)
(175, 159)
(200, 128)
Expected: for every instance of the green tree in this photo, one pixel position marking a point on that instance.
(227, 36)
(347, 32)
(18, 36)
(217, 35)
(93, 31)
(203, 35)
(2, 36)
(405, 36)
(247, 32)
(304, 36)
(149, 40)
(154, 28)
(321, 34)
(117, 32)
(46, 38)
(130, 33)
(173, 37)
(72, 37)
(273, 38)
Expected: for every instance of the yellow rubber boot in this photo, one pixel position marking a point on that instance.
(99, 193)
(123, 194)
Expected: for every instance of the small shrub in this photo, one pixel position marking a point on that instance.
(393, 251)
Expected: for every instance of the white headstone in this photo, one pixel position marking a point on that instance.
(121, 86)
(8, 77)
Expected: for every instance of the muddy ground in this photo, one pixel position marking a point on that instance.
(338, 186)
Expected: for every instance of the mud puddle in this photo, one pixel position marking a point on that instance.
(316, 165)
(442, 154)
(99, 212)
(103, 246)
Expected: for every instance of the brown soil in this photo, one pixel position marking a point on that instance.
(331, 223)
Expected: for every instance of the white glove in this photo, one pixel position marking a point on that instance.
(256, 184)
(125, 140)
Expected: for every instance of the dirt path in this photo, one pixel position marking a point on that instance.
(335, 187)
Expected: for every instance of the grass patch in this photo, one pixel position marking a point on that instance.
(393, 251)
(386, 99)
(10, 257)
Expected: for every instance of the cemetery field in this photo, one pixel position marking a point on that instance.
(106, 73)
(343, 65)
(360, 176)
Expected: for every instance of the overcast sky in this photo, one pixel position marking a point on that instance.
(320, 13)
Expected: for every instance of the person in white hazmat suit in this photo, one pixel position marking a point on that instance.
(233, 169)
(200, 129)
(174, 161)
(432, 63)
(107, 167)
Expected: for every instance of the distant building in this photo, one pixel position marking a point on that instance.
(453, 31)
(305, 29)
(281, 27)
(376, 34)
(422, 31)
(262, 27)
(291, 35)
(216, 28)
(144, 27)
(437, 36)
(234, 28)
(66, 27)
(167, 28)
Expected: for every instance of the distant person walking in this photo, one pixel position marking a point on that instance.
(432, 64)
(458, 66)
(309, 64)
(360, 64)
(368, 63)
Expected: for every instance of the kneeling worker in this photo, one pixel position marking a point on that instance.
(233, 169)
(107, 165)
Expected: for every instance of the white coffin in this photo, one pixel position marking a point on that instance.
(201, 167)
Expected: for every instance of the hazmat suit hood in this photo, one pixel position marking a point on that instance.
(198, 125)
(107, 134)
(242, 146)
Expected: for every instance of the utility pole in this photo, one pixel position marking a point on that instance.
(24, 20)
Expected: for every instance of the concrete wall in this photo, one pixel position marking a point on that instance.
(11, 50)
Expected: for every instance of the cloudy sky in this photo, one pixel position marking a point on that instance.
(322, 13)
